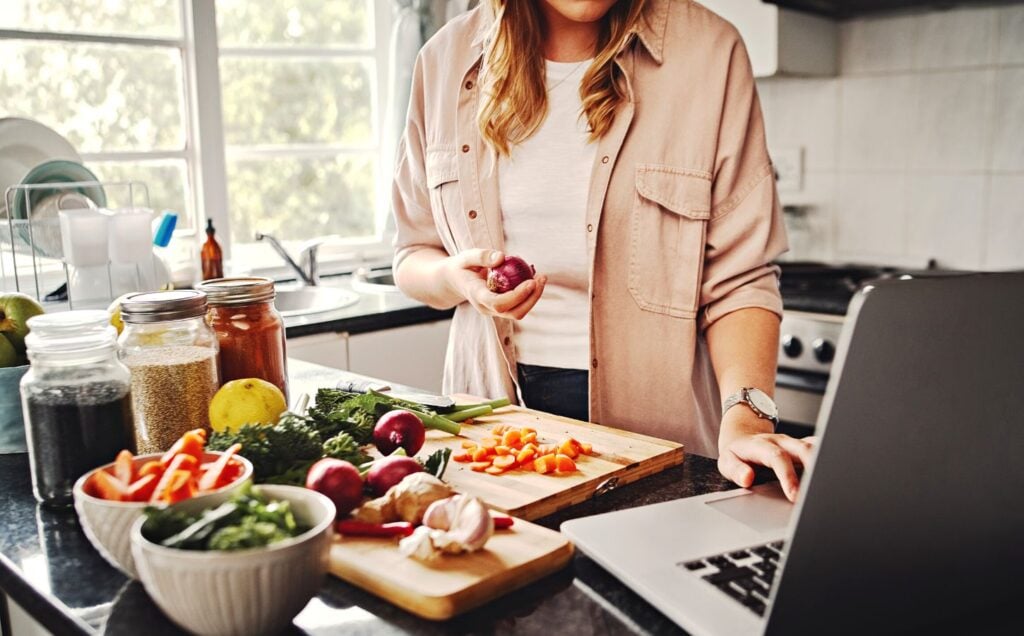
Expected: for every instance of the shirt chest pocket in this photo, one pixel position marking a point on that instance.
(442, 172)
(671, 209)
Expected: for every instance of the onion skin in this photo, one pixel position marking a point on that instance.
(399, 429)
(339, 480)
(389, 471)
(509, 275)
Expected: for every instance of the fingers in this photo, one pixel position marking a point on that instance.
(514, 304)
(799, 449)
(763, 450)
(735, 470)
(481, 258)
(519, 311)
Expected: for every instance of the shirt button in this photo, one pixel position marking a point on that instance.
(507, 341)
(604, 159)
(469, 84)
(593, 363)
(472, 214)
(590, 227)
(465, 147)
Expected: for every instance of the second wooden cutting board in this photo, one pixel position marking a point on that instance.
(623, 457)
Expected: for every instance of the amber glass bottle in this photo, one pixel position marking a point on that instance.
(211, 256)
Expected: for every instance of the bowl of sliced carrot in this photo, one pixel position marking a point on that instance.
(110, 498)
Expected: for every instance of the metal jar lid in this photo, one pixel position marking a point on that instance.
(237, 291)
(161, 306)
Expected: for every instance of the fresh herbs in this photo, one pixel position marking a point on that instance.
(283, 453)
(437, 462)
(362, 410)
(247, 520)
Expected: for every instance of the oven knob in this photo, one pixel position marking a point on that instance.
(792, 346)
(824, 350)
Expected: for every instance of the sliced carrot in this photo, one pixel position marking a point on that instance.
(546, 449)
(479, 466)
(568, 447)
(525, 455)
(142, 489)
(504, 461)
(190, 443)
(231, 472)
(529, 437)
(152, 467)
(182, 487)
(489, 442)
(210, 478)
(502, 450)
(511, 437)
(527, 430)
(480, 454)
(498, 429)
(564, 464)
(544, 464)
(527, 465)
(165, 480)
(468, 444)
(462, 457)
(109, 487)
(123, 466)
(586, 449)
(494, 470)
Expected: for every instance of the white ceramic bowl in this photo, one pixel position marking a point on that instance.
(255, 591)
(107, 523)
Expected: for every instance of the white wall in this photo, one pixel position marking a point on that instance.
(916, 150)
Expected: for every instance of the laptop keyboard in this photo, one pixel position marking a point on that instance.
(746, 576)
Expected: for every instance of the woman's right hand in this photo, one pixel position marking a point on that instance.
(466, 275)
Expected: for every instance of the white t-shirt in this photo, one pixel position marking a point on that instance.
(543, 189)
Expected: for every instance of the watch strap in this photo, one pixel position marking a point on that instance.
(742, 396)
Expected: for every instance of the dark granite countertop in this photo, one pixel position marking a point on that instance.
(49, 568)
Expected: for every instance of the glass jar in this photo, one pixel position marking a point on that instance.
(76, 397)
(172, 355)
(249, 329)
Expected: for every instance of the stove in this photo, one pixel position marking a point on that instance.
(815, 299)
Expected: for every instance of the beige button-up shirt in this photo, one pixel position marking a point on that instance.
(682, 218)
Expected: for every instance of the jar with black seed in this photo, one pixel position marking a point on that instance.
(76, 398)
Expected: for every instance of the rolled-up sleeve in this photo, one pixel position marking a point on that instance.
(745, 232)
(410, 197)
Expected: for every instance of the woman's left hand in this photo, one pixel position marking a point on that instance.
(744, 442)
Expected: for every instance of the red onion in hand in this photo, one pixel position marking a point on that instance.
(509, 275)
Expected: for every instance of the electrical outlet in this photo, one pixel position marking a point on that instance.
(789, 169)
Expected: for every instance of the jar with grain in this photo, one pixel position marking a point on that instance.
(76, 400)
(249, 329)
(172, 354)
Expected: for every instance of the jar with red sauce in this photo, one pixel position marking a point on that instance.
(249, 329)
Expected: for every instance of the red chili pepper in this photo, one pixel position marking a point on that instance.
(503, 523)
(361, 529)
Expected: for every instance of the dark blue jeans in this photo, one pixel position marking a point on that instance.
(552, 390)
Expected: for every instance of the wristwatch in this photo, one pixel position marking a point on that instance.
(758, 401)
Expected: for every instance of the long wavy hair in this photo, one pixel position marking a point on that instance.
(515, 95)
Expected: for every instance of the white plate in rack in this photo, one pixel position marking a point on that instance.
(24, 144)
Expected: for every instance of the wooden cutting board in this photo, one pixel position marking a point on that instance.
(623, 458)
(452, 584)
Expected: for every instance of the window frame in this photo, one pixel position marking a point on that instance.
(205, 150)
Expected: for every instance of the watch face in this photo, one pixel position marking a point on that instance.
(763, 403)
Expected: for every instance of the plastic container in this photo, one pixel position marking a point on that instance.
(76, 400)
(172, 354)
(249, 329)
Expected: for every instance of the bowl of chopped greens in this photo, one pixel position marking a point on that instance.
(243, 563)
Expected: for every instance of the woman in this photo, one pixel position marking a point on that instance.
(619, 147)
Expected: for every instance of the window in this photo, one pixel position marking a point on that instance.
(296, 111)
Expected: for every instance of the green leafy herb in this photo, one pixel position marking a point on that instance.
(437, 462)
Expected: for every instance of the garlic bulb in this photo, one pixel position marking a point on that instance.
(457, 524)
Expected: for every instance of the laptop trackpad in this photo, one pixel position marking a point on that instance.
(765, 509)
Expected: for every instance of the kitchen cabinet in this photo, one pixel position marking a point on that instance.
(781, 41)
(412, 355)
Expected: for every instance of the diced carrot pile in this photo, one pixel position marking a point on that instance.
(179, 474)
(510, 448)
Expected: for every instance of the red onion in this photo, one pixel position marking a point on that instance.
(508, 275)
(399, 429)
(339, 480)
(388, 471)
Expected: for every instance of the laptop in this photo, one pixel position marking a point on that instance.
(913, 509)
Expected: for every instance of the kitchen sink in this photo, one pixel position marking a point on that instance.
(378, 280)
(300, 301)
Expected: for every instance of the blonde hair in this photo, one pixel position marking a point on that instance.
(515, 96)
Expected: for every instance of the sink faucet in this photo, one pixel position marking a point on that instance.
(306, 269)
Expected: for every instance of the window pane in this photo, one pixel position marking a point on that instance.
(296, 199)
(102, 98)
(153, 18)
(282, 22)
(165, 180)
(274, 101)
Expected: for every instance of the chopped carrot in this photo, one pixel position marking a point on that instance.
(564, 464)
(504, 461)
(142, 489)
(498, 429)
(165, 481)
(210, 478)
(190, 443)
(152, 467)
(529, 437)
(462, 457)
(546, 449)
(480, 454)
(182, 487)
(479, 466)
(231, 472)
(544, 464)
(494, 470)
(527, 465)
(468, 444)
(568, 448)
(489, 442)
(525, 455)
(502, 450)
(123, 466)
(586, 449)
(109, 487)
(511, 437)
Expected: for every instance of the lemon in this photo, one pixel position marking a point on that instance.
(245, 401)
(115, 313)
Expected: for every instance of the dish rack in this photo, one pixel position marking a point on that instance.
(32, 258)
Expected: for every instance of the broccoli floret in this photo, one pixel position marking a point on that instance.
(343, 446)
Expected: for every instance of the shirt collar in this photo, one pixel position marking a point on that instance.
(651, 30)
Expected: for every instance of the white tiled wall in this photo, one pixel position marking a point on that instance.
(916, 151)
